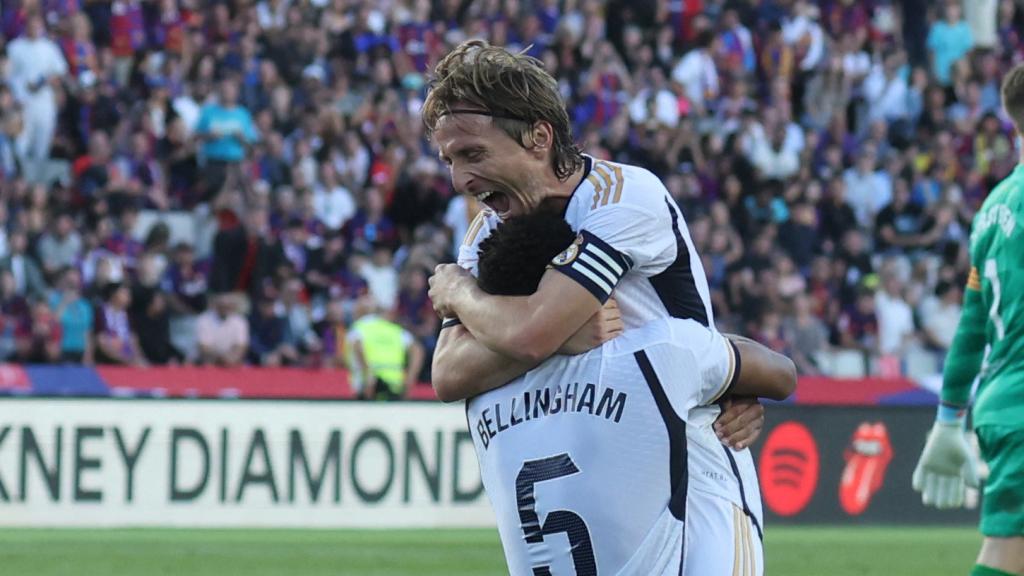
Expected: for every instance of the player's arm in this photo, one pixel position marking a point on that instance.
(527, 329)
(463, 367)
(760, 371)
(965, 354)
(946, 465)
(613, 240)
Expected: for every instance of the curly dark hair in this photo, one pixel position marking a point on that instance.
(515, 256)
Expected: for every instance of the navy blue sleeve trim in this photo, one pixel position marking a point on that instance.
(737, 366)
(594, 264)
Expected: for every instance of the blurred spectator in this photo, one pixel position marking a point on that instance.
(415, 312)
(28, 278)
(949, 40)
(772, 158)
(246, 257)
(223, 333)
(296, 311)
(697, 73)
(898, 225)
(150, 314)
(60, 246)
(333, 337)
(270, 337)
(13, 309)
(116, 342)
(867, 188)
(808, 336)
(332, 202)
(35, 67)
(76, 318)
(154, 329)
(370, 225)
(858, 325)
(886, 91)
(387, 359)
(38, 337)
(940, 314)
(895, 318)
(227, 130)
(380, 275)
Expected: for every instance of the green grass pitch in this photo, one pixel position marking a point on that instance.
(804, 551)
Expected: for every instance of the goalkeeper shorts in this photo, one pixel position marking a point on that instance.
(1002, 506)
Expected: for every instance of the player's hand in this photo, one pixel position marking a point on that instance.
(740, 422)
(946, 467)
(445, 284)
(604, 325)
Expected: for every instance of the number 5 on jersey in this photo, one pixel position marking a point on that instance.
(556, 522)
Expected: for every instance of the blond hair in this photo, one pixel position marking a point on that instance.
(514, 89)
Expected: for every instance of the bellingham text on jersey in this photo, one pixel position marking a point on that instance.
(535, 404)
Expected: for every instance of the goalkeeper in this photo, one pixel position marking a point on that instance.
(989, 345)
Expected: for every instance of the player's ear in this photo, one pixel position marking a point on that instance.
(541, 137)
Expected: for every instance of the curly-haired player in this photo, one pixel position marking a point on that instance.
(586, 449)
(500, 124)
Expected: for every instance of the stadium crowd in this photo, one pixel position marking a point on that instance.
(828, 157)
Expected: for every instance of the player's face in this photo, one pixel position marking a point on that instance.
(489, 165)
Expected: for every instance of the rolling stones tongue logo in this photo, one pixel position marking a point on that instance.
(867, 459)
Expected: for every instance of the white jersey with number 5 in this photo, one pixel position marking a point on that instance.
(596, 464)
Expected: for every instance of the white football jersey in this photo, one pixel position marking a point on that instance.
(589, 461)
(632, 238)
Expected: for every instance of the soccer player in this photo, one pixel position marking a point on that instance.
(583, 456)
(501, 126)
(989, 346)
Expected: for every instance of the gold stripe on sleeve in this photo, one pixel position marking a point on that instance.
(619, 180)
(474, 229)
(606, 176)
(597, 189)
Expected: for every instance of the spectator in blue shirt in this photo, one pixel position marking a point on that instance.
(226, 130)
(75, 314)
(949, 40)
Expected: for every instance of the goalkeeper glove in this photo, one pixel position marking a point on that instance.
(946, 465)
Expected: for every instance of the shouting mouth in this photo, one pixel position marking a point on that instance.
(499, 202)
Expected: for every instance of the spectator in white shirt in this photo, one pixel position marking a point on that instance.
(36, 66)
(332, 202)
(655, 103)
(855, 61)
(867, 190)
(887, 91)
(773, 159)
(696, 72)
(380, 276)
(803, 32)
(895, 318)
(940, 315)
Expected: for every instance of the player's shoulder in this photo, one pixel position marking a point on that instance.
(610, 187)
(480, 227)
(654, 334)
(1002, 211)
